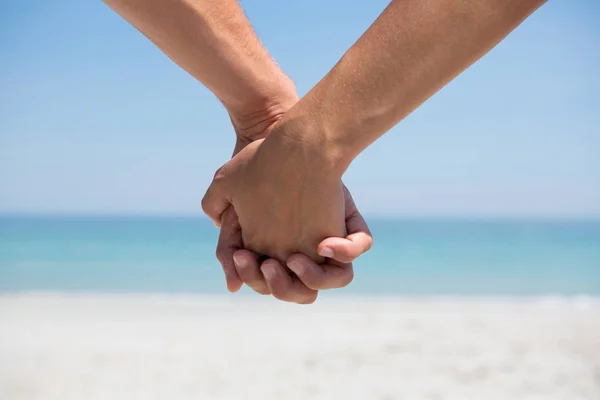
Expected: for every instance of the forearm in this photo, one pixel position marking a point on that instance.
(412, 50)
(214, 42)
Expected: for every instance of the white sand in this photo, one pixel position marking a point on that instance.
(154, 347)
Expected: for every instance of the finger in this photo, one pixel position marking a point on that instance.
(284, 286)
(247, 265)
(215, 200)
(230, 240)
(345, 250)
(331, 275)
(358, 241)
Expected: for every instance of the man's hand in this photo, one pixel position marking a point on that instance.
(306, 276)
(259, 196)
(286, 198)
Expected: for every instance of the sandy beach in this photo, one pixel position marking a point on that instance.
(193, 347)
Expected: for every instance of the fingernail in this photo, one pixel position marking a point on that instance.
(268, 271)
(326, 252)
(297, 267)
(239, 261)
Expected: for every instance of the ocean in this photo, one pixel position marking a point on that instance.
(409, 256)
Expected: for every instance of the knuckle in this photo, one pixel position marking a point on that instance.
(280, 293)
(255, 283)
(262, 290)
(219, 174)
(205, 204)
(308, 299)
(347, 277)
(252, 278)
(223, 255)
(311, 281)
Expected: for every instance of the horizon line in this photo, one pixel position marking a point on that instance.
(390, 216)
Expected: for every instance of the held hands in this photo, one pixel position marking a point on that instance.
(285, 200)
(280, 198)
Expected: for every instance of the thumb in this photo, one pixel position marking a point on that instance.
(357, 242)
(345, 250)
(216, 198)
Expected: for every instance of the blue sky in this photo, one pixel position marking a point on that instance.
(94, 119)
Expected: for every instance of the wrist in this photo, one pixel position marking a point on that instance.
(305, 136)
(255, 120)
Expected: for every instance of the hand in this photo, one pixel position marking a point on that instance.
(253, 125)
(308, 277)
(286, 198)
(312, 276)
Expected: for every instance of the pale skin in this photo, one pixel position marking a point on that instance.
(214, 42)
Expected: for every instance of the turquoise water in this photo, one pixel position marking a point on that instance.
(411, 257)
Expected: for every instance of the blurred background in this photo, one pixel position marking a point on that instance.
(490, 190)
(106, 148)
